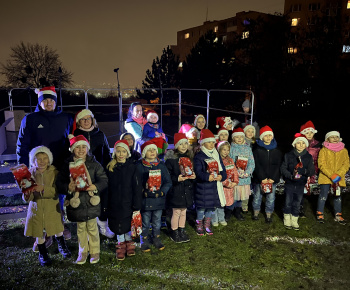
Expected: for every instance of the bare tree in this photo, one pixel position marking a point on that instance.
(34, 65)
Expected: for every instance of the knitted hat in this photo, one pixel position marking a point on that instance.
(238, 132)
(46, 92)
(121, 143)
(206, 136)
(265, 131)
(223, 122)
(39, 149)
(300, 137)
(151, 113)
(74, 141)
(81, 114)
(333, 133)
(222, 130)
(148, 145)
(247, 127)
(179, 138)
(246, 104)
(222, 143)
(196, 117)
(308, 127)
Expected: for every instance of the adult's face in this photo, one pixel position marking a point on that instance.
(137, 111)
(48, 105)
(85, 122)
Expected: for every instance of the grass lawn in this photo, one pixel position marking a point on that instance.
(242, 255)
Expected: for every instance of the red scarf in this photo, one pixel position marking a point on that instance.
(141, 121)
(150, 164)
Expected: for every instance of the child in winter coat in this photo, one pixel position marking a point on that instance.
(152, 128)
(249, 132)
(242, 154)
(268, 159)
(297, 166)
(222, 215)
(223, 135)
(124, 197)
(180, 195)
(83, 207)
(209, 192)
(135, 156)
(44, 210)
(333, 162)
(156, 182)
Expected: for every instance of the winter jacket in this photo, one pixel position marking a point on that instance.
(85, 211)
(180, 194)
(243, 150)
(124, 196)
(154, 200)
(44, 211)
(134, 128)
(150, 129)
(99, 146)
(330, 162)
(205, 192)
(289, 163)
(50, 129)
(229, 192)
(267, 164)
(314, 148)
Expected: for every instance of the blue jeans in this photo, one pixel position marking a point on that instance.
(269, 200)
(204, 212)
(218, 215)
(294, 195)
(322, 198)
(124, 237)
(237, 203)
(154, 216)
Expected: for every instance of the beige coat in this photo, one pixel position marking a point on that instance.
(330, 162)
(44, 210)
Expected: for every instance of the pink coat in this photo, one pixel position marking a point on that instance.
(232, 175)
(314, 148)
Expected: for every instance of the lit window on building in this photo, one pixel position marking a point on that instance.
(216, 28)
(187, 35)
(295, 21)
(181, 64)
(292, 50)
(245, 34)
(216, 39)
(346, 48)
(348, 6)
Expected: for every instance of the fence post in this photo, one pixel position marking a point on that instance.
(179, 92)
(10, 100)
(208, 96)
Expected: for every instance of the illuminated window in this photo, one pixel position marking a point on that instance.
(187, 35)
(348, 6)
(245, 34)
(181, 64)
(295, 21)
(216, 39)
(216, 28)
(292, 50)
(346, 48)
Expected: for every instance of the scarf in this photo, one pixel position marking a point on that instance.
(150, 164)
(336, 147)
(215, 155)
(141, 121)
(87, 130)
(153, 125)
(271, 146)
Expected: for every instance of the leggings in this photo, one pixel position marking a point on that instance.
(178, 218)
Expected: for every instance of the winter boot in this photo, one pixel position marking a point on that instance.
(199, 228)
(302, 212)
(44, 258)
(295, 224)
(256, 215)
(237, 213)
(158, 243)
(81, 258)
(175, 236)
(183, 235)
(207, 226)
(130, 248)
(338, 218)
(104, 229)
(62, 247)
(268, 218)
(320, 217)
(121, 251)
(228, 214)
(48, 243)
(287, 221)
(145, 245)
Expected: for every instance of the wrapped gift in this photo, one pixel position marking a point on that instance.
(154, 181)
(266, 187)
(136, 224)
(23, 178)
(307, 188)
(242, 162)
(336, 189)
(186, 166)
(299, 165)
(212, 167)
(230, 171)
(80, 175)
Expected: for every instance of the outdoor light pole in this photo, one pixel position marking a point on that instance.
(60, 75)
(120, 104)
(161, 99)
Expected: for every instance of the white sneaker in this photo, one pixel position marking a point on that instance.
(223, 223)
(215, 224)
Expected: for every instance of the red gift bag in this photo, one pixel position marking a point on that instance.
(23, 178)
(212, 167)
(186, 166)
(266, 187)
(242, 163)
(154, 180)
(230, 169)
(80, 175)
(136, 224)
(299, 165)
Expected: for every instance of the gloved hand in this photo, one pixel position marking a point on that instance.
(335, 178)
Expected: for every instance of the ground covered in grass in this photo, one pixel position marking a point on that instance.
(242, 255)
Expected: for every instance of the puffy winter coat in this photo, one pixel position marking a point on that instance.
(134, 128)
(149, 131)
(180, 194)
(99, 146)
(50, 129)
(243, 150)
(85, 211)
(206, 193)
(229, 192)
(124, 196)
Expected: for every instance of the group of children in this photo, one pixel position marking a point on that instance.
(215, 174)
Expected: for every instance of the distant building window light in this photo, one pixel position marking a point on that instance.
(245, 34)
(187, 35)
(346, 48)
(224, 38)
(292, 50)
(181, 64)
(348, 5)
(295, 21)
(216, 39)
(216, 28)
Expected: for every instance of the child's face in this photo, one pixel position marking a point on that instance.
(121, 154)
(129, 139)
(153, 119)
(333, 139)
(41, 161)
(151, 154)
(223, 137)
(182, 148)
(229, 127)
(209, 145)
(200, 123)
(225, 151)
(246, 109)
(80, 151)
(309, 135)
(249, 133)
(267, 139)
(300, 146)
(239, 139)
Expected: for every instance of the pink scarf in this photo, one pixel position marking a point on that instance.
(140, 120)
(336, 147)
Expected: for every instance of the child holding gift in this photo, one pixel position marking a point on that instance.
(209, 192)
(152, 128)
(83, 189)
(156, 182)
(242, 154)
(333, 162)
(180, 196)
(124, 197)
(43, 204)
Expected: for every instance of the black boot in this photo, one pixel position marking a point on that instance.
(158, 243)
(228, 214)
(175, 236)
(183, 235)
(44, 258)
(62, 247)
(237, 213)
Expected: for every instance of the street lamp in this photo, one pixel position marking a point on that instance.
(120, 103)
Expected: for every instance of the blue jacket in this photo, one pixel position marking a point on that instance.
(243, 150)
(149, 132)
(206, 193)
(50, 129)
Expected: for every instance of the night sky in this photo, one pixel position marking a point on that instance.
(94, 37)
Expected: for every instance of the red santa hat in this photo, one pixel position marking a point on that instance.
(223, 122)
(46, 92)
(222, 130)
(179, 138)
(37, 150)
(121, 143)
(333, 133)
(265, 131)
(196, 117)
(81, 114)
(238, 132)
(308, 127)
(300, 137)
(148, 145)
(74, 141)
(185, 128)
(221, 143)
(206, 136)
(151, 113)
(247, 127)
